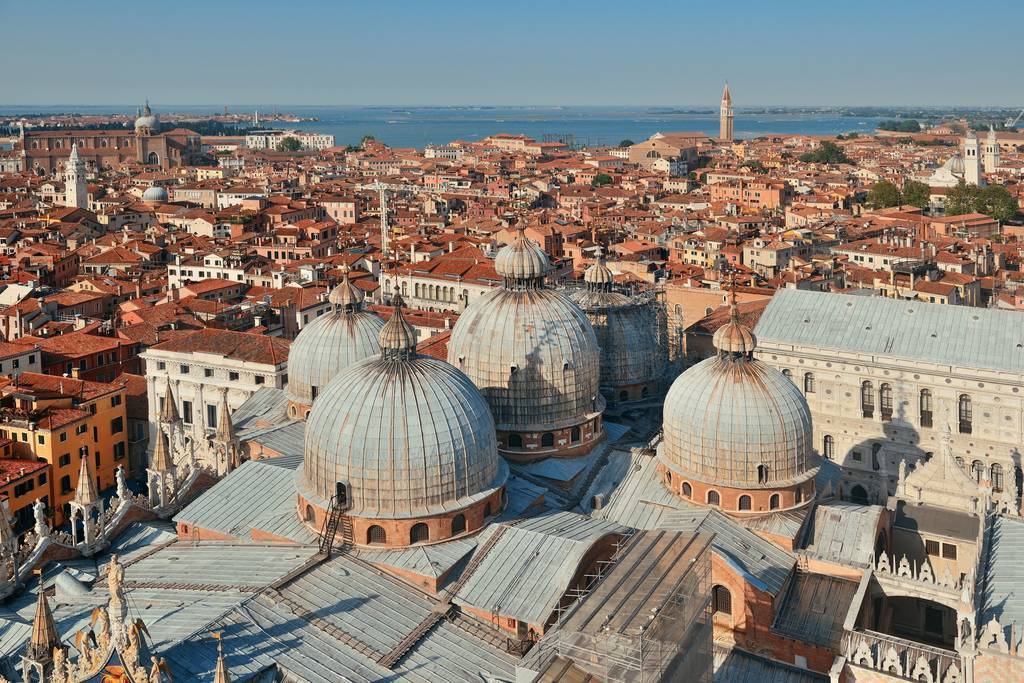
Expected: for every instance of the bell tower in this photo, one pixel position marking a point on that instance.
(725, 116)
(75, 192)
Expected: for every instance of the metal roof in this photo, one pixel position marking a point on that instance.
(1005, 573)
(843, 532)
(959, 336)
(814, 608)
(737, 666)
(269, 405)
(434, 560)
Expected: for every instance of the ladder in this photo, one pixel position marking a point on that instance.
(330, 527)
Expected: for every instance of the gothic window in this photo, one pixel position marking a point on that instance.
(966, 413)
(376, 535)
(721, 600)
(977, 470)
(419, 533)
(744, 502)
(773, 502)
(828, 447)
(867, 399)
(458, 524)
(996, 476)
(926, 408)
(713, 498)
(153, 159)
(547, 439)
(885, 401)
(687, 489)
(809, 383)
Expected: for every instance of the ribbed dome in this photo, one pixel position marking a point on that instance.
(598, 274)
(331, 343)
(956, 164)
(729, 414)
(522, 260)
(627, 336)
(533, 354)
(410, 435)
(155, 194)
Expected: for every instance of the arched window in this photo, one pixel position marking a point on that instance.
(773, 502)
(828, 447)
(788, 373)
(808, 382)
(721, 600)
(574, 435)
(458, 524)
(416, 290)
(966, 414)
(708, 310)
(925, 405)
(679, 311)
(977, 470)
(376, 535)
(799, 496)
(996, 476)
(487, 510)
(687, 489)
(713, 498)
(960, 461)
(309, 514)
(515, 441)
(885, 401)
(547, 439)
(420, 533)
(867, 399)
(153, 159)
(744, 502)
(859, 495)
(762, 473)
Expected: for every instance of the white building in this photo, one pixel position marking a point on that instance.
(204, 365)
(76, 193)
(884, 377)
(271, 139)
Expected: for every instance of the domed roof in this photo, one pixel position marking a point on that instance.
(155, 194)
(410, 435)
(599, 273)
(956, 164)
(728, 415)
(329, 344)
(522, 260)
(598, 293)
(147, 119)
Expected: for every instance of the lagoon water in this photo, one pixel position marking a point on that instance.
(416, 126)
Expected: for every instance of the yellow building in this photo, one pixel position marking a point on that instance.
(59, 420)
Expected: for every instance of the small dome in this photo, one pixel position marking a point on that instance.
(397, 337)
(599, 274)
(155, 194)
(147, 119)
(730, 416)
(410, 435)
(522, 260)
(956, 164)
(330, 344)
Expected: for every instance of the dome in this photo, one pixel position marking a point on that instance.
(147, 119)
(728, 416)
(155, 194)
(522, 259)
(329, 344)
(530, 349)
(956, 164)
(410, 435)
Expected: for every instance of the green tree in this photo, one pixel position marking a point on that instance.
(367, 138)
(626, 143)
(827, 153)
(883, 194)
(289, 144)
(996, 202)
(601, 179)
(916, 193)
(962, 199)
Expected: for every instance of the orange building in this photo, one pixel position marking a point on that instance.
(58, 421)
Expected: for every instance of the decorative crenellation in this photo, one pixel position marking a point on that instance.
(902, 658)
(1007, 640)
(923, 573)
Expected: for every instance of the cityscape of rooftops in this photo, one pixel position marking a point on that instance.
(577, 342)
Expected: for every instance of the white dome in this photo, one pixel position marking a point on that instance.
(409, 434)
(522, 259)
(155, 194)
(147, 119)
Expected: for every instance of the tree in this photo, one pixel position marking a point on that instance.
(367, 138)
(996, 202)
(601, 179)
(883, 194)
(916, 193)
(289, 144)
(900, 125)
(962, 199)
(828, 153)
(626, 143)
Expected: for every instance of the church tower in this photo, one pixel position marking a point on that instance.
(725, 116)
(991, 151)
(972, 159)
(75, 193)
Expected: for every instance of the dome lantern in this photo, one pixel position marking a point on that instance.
(345, 296)
(599, 276)
(522, 264)
(734, 340)
(397, 337)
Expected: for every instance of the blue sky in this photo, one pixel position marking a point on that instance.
(789, 52)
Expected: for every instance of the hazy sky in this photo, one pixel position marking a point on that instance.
(629, 52)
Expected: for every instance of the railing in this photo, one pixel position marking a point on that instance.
(899, 658)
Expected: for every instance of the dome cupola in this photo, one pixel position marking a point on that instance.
(147, 120)
(522, 264)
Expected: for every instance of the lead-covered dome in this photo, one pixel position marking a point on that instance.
(336, 340)
(155, 194)
(409, 435)
(147, 119)
(530, 349)
(734, 421)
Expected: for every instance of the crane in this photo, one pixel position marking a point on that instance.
(383, 188)
(1012, 123)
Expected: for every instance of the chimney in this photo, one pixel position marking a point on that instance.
(75, 373)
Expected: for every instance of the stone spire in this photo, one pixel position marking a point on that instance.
(346, 296)
(169, 415)
(225, 428)
(397, 337)
(161, 459)
(86, 494)
(38, 657)
(221, 674)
